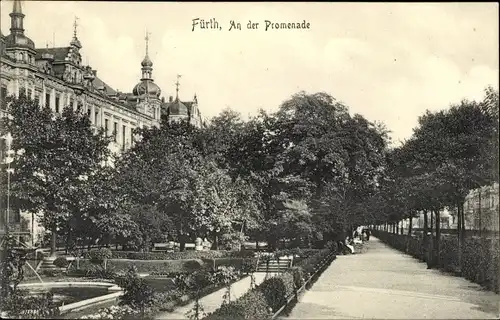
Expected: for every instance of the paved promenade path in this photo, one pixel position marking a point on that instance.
(213, 301)
(384, 283)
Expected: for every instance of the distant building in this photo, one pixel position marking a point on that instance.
(56, 78)
(481, 208)
(481, 212)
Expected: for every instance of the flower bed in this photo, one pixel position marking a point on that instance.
(275, 293)
(86, 268)
(140, 300)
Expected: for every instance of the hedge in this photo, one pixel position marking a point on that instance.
(272, 294)
(189, 254)
(480, 256)
(165, 267)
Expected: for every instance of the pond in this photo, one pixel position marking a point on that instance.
(66, 295)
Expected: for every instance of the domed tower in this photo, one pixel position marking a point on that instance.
(17, 44)
(146, 88)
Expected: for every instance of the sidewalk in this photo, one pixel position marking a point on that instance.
(213, 301)
(386, 284)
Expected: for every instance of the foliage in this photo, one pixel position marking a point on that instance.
(16, 303)
(260, 302)
(58, 156)
(480, 260)
(113, 312)
(137, 293)
(22, 305)
(61, 262)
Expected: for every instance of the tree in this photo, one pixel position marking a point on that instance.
(59, 155)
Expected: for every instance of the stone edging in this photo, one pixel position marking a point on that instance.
(115, 290)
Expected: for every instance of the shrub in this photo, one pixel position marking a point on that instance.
(137, 293)
(52, 273)
(192, 265)
(298, 276)
(61, 262)
(185, 255)
(148, 266)
(310, 263)
(224, 275)
(114, 312)
(272, 294)
(100, 255)
(198, 280)
(274, 291)
(251, 305)
(249, 265)
(21, 305)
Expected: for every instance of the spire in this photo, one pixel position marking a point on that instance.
(75, 42)
(16, 18)
(75, 24)
(147, 42)
(146, 63)
(17, 7)
(177, 84)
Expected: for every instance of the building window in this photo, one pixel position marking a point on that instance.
(3, 92)
(30, 92)
(22, 92)
(115, 131)
(89, 112)
(58, 98)
(96, 117)
(106, 126)
(124, 132)
(47, 100)
(79, 106)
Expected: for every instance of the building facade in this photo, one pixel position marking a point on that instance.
(57, 78)
(481, 212)
(481, 209)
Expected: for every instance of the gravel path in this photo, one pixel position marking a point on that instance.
(212, 302)
(383, 283)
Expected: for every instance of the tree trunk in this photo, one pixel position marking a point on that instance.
(479, 214)
(432, 221)
(53, 242)
(438, 238)
(459, 234)
(408, 239)
(425, 238)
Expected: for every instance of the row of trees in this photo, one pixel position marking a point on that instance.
(451, 152)
(309, 171)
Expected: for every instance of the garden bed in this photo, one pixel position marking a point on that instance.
(277, 293)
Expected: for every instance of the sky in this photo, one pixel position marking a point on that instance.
(387, 61)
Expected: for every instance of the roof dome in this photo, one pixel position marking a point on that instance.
(19, 40)
(177, 108)
(76, 43)
(147, 62)
(146, 87)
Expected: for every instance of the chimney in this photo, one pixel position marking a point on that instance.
(170, 99)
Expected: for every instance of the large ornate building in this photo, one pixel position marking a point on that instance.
(57, 78)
